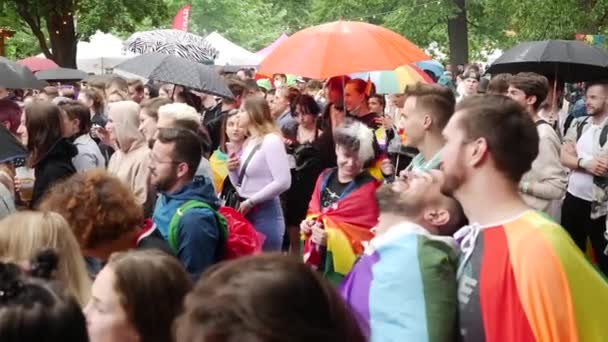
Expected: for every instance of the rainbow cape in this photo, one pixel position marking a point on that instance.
(526, 280)
(403, 288)
(348, 223)
(219, 169)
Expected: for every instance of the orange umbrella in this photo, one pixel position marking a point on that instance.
(341, 48)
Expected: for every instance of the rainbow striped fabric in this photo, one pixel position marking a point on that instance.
(525, 280)
(219, 169)
(403, 288)
(348, 224)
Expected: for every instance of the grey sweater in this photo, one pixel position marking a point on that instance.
(547, 179)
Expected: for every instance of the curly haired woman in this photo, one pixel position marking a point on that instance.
(102, 212)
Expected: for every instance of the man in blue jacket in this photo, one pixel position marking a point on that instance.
(195, 234)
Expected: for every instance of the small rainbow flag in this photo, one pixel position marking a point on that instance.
(219, 169)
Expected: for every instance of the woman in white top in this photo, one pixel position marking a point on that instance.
(260, 172)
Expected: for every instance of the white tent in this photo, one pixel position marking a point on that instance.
(103, 52)
(230, 53)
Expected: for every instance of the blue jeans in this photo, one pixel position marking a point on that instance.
(267, 218)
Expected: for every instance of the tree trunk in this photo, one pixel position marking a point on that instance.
(64, 40)
(458, 35)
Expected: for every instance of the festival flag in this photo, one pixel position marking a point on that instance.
(180, 22)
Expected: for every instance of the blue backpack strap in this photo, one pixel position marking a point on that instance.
(181, 211)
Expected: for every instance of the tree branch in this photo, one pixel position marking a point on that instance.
(33, 21)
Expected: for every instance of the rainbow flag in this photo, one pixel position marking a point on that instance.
(526, 280)
(403, 288)
(219, 169)
(348, 223)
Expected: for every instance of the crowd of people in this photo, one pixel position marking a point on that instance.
(429, 215)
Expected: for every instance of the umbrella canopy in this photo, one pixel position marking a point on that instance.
(61, 74)
(176, 70)
(10, 148)
(172, 42)
(432, 66)
(341, 48)
(570, 60)
(16, 76)
(394, 81)
(36, 64)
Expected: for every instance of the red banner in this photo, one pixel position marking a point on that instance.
(180, 22)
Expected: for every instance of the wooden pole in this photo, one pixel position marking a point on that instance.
(4, 34)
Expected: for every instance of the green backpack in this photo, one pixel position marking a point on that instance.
(181, 211)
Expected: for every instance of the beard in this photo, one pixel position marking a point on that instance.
(165, 183)
(453, 179)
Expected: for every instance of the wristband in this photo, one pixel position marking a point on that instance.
(579, 163)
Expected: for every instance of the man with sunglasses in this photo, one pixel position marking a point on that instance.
(192, 232)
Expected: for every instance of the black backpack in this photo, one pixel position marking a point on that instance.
(603, 133)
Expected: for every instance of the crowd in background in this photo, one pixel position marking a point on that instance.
(424, 215)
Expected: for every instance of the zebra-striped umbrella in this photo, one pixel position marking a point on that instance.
(172, 42)
(176, 70)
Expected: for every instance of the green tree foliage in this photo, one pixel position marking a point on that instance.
(249, 23)
(56, 26)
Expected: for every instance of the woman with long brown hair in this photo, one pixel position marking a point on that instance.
(123, 292)
(50, 154)
(260, 172)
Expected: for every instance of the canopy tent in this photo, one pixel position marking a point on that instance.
(102, 52)
(230, 53)
(267, 50)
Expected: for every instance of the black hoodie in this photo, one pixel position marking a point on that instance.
(54, 166)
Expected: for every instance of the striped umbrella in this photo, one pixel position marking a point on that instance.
(394, 81)
(172, 42)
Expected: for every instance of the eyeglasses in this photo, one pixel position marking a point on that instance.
(154, 160)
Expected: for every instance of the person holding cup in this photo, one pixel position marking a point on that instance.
(49, 153)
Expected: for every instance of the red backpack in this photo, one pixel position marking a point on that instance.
(237, 235)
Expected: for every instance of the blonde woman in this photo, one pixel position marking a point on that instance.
(41, 230)
(260, 172)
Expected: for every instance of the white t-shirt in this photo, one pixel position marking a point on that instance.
(581, 183)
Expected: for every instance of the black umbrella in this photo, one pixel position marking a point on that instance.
(10, 148)
(176, 70)
(61, 74)
(570, 60)
(16, 76)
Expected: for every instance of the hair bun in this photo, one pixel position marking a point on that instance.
(44, 264)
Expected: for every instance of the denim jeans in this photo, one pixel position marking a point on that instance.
(267, 218)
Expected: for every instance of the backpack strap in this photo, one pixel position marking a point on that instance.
(181, 211)
(580, 126)
(246, 163)
(542, 122)
(567, 124)
(603, 135)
